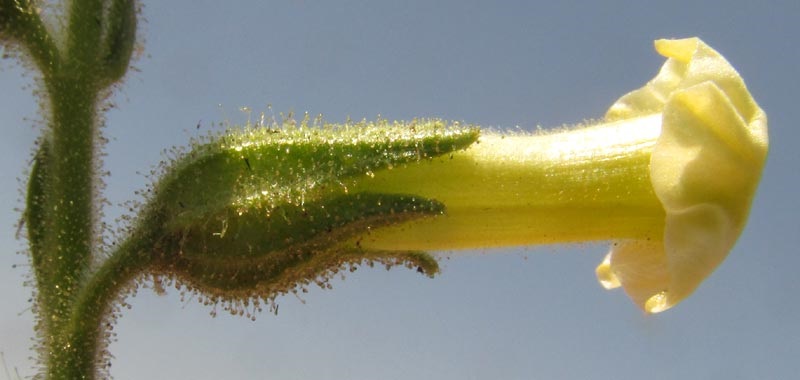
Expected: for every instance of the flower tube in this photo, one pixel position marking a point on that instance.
(668, 177)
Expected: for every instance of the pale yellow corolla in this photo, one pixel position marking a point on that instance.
(668, 177)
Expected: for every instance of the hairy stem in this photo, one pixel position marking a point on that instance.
(78, 353)
(67, 175)
(20, 20)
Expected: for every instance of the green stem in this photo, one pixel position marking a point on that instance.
(20, 19)
(67, 182)
(70, 194)
(78, 351)
(61, 195)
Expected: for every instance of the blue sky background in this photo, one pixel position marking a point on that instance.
(523, 313)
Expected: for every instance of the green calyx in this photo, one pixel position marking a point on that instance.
(257, 212)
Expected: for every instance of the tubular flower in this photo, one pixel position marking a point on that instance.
(668, 177)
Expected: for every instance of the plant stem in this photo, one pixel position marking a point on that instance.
(21, 20)
(65, 253)
(63, 258)
(79, 355)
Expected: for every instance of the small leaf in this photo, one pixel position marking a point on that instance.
(34, 210)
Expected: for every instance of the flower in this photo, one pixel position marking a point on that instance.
(668, 176)
(705, 167)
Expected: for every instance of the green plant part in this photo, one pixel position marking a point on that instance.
(263, 210)
(118, 39)
(275, 211)
(62, 204)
